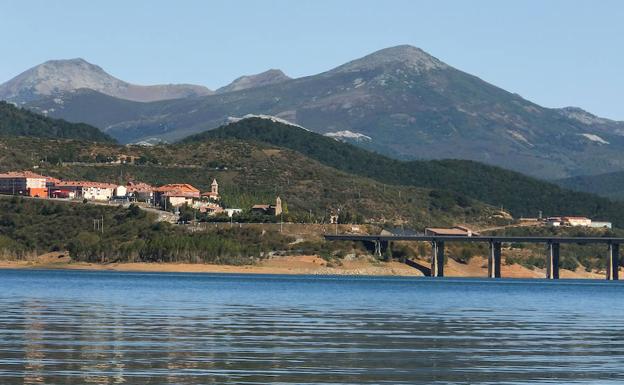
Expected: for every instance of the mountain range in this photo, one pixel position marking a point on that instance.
(399, 101)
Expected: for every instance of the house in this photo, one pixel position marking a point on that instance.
(458, 231)
(576, 221)
(213, 194)
(600, 225)
(231, 212)
(176, 195)
(120, 191)
(95, 191)
(207, 207)
(62, 193)
(23, 183)
(274, 210)
(554, 221)
(139, 191)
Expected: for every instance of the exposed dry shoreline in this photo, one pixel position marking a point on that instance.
(477, 267)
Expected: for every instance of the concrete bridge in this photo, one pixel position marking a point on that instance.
(437, 242)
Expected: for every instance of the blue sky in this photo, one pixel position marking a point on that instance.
(555, 53)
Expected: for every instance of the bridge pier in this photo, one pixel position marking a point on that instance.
(494, 260)
(437, 259)
(377, 252)
(552, 260)
(613, 262)
(380, 248)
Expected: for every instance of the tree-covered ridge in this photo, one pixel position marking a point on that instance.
(16, 121)
(520, 194)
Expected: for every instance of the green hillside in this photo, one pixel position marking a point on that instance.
(15, 121)
(609, 185)
(30, 227)
(518, 193)
(250, 173)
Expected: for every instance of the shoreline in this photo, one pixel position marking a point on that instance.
(304, 265)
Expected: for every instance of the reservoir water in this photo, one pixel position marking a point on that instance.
(79, 327)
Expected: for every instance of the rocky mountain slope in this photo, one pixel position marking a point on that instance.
(57, 76)
(404, 102)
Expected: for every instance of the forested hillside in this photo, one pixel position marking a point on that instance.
(520, 194)
(15, 121)
(32, 227)
(609, 185)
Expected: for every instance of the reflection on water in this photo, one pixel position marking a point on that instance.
(114, 328)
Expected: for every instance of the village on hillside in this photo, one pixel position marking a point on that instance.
(172, 197)
(169, 197)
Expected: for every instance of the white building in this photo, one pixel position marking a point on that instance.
(120, 191)
(576, 221)
(94, 191)
(600, 225)
(231, 212)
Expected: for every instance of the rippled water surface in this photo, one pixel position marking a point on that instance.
(72, 327)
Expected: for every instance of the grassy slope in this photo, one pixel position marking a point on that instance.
(15, 121)
(522, 195)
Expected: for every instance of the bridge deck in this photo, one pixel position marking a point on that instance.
(480, 238)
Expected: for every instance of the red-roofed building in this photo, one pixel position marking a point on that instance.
(23, 183)
(140, 191)
(96, 191)
(274, 210)
(176, 194)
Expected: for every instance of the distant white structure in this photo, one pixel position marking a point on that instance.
(231, 212)
(577, 221)
(600, 225)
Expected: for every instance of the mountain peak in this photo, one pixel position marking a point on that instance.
(406, 55)
(271, 76)
(58, 76)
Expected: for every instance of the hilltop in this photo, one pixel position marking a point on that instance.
(15, 121)
(407, 103)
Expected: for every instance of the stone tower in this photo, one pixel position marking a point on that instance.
(214, 188)
(278, 206)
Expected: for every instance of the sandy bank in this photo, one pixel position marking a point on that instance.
(276, 265)
(477, 267)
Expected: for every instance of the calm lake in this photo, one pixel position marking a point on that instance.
(78, 327)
